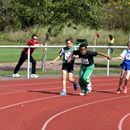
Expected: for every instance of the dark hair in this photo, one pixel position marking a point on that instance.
(69, 39)
(34, 35)
(128, 43)
(111, 37)
(83, 45)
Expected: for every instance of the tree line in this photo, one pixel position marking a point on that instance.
(97, 14)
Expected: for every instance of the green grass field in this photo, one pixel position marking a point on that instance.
(8, 55)
(13, 54)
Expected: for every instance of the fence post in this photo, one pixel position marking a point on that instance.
(129, 38)
(43, 66)
(108, 61)
(28, 68)
(95, 42)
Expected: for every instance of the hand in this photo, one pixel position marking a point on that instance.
(51, 62)
(76, 56)
(109, 57)
(119, 58)
(72, 57)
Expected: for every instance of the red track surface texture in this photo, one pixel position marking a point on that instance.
(36, 105)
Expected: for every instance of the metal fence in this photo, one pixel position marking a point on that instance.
(57, 46)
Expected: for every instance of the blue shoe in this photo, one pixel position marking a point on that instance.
(62, 93)
(75, 86)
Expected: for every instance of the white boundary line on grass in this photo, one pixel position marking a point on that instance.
(77, 107)
(122, 121)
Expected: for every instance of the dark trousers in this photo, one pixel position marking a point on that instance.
(112, 50)
(22, 59)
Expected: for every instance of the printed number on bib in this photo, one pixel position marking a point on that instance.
(84, 61)
(128, 56)
(67, 55)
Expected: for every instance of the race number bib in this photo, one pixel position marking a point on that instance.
(85, 61)
(67, 55)
(128, 56)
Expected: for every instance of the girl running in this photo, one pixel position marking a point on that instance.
(125, 70)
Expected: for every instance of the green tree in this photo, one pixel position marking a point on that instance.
(22, 14)
(119, 17)
(5, 14)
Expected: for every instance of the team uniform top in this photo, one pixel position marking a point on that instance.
(30, 43)
(112, 41)
(65, 53)
(87, 59)
(125, 65)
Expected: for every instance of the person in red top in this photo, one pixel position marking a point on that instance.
(24, 55)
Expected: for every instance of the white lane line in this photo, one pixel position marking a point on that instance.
(28, 90)
(76, 107)
(29, 84)
(13, 92)
(122, 121)
(43, 89)
(29, 101)
(12, 105)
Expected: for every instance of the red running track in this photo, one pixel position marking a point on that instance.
(35, 104)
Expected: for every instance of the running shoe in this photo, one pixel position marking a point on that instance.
(89, 88)
(16, 75)
(82, 94)
(125, 90)
(118, 91)
(75, 86)
(62, 93)
(34, 76)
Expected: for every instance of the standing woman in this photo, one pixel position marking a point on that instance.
(24, 55)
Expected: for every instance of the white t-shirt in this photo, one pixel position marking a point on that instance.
(126, 55)
(123, 54)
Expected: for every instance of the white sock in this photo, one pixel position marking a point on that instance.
(64, 89)
(89, 86)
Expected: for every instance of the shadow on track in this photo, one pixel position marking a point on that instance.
(55, 93)
(104, 91)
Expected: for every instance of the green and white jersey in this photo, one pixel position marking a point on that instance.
(65, 53)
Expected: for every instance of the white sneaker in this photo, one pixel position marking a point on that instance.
(34, 76)
(89, 87)
(82, 94)
(16, 75)
(89, 90)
